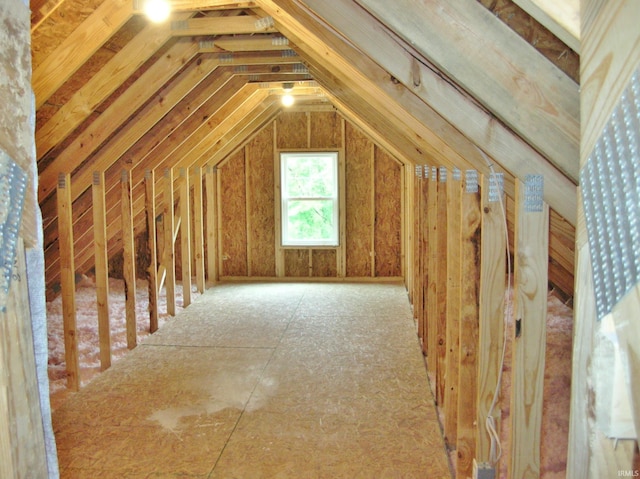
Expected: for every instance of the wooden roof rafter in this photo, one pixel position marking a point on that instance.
(445, 100)
(519, 85)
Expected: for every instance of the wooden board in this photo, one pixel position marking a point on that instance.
(358, 191)
(168, 262)
(500, 78)
(530, 295)
(468, 369)
(491, 329)
(387, 215)
(152, 246)
(211, 189)
(443, 246)
(261, 207)
(233, 216)
(432, 271)
(67, 281)
(414, 277)
(101, 269)
(324, 263)
(184, 201)
(129, 256)
(22, 448)
(423, 247)
(198, 228)
(610, 55)
(291, 128)
(453, 198)
(446, 105)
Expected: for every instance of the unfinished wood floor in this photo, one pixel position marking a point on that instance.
(264, 381)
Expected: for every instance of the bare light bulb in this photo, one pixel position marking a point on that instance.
(287, 99)
(157, 10)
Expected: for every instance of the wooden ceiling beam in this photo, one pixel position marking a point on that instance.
(186, 136)
(337, 58)
(124, 106)
(206, 26)
(497, 67)
(461, 113)
(192, 6)
(250, 43)
(560, 17)
(78, 47)
(121, 66)
(145, 149)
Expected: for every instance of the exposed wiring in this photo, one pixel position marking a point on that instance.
(495, 451)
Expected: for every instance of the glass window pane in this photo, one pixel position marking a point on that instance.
(310, 176)
(310, 220)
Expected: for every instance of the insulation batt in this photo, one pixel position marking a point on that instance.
(87, 328)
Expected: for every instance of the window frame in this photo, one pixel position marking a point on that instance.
(285, 241)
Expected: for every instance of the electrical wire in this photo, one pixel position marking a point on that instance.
(495, 451)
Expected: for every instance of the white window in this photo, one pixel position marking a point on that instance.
(309, 199)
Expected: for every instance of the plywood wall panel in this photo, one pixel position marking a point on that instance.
(324, 263)
(233, 216)
(296, 262)
(325, 129)
(359, 181)
(248, 224)
(261, 207)
(388, 215)
(292, 130)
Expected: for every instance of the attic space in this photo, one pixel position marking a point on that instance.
(351, 238)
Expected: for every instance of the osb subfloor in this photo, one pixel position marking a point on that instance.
(264, 381)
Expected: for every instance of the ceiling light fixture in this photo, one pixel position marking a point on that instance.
(157, 10)
(287, 99)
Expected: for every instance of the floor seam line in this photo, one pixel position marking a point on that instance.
(244, 408)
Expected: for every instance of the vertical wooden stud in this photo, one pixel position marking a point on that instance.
(454, 244)
(441, 291)
(211, 185)
(169, 253)
(219, 237)
(248, 197)
(414, 266)
(468, 368)
(67, 280)
(372, 208)
(277, 184)
(403, 223)
(129, 256)
(198, 229)
(432, 272)
(22, 449)
(423, 251)
(7, 466)
(152, 271)
(185, 235)
(101, 267)
(492, 288)
(418, 303)
(530, 298)
(342, 198)
(580, 450)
